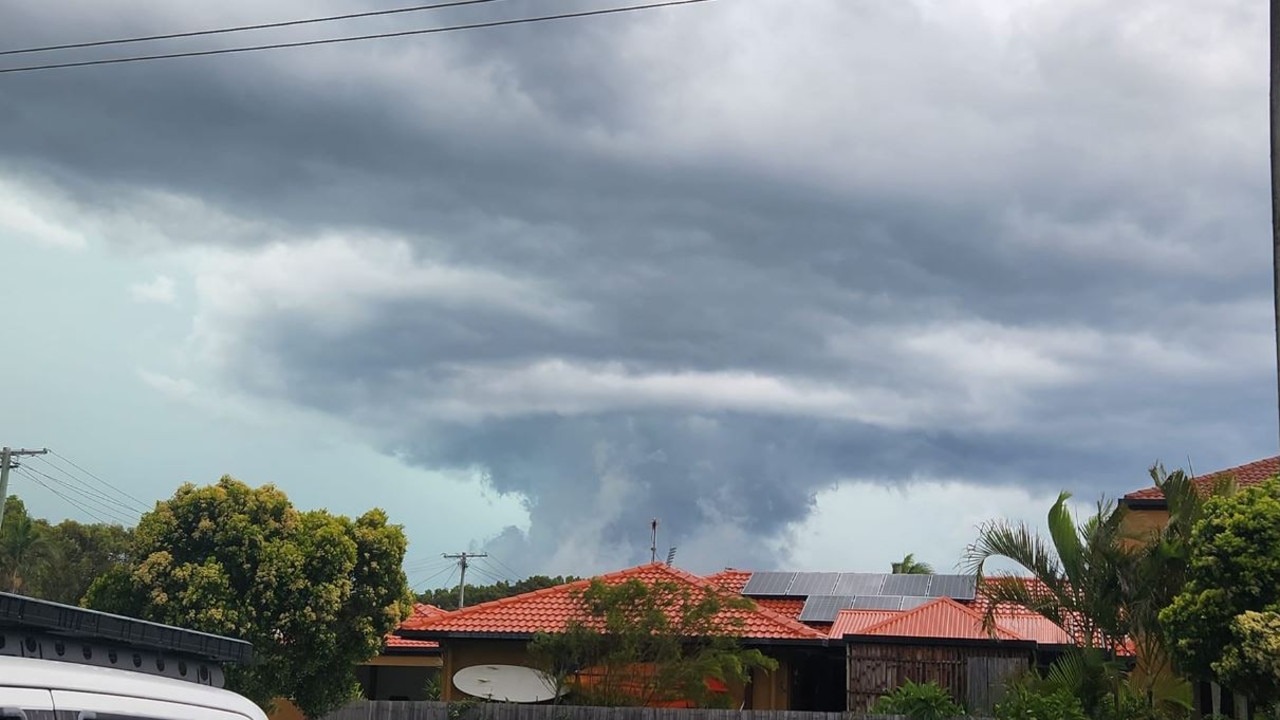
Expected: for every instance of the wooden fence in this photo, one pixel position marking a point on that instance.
(420, 710)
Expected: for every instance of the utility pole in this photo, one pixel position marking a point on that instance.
(462, 581)
(7, 462)
(1275, 173)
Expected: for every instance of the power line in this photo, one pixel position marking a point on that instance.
(23, 472)
(142, 503)
(245, 28)
(450, 568)
(353, 38)
(103, 503)
(505, 567)
(132, 508)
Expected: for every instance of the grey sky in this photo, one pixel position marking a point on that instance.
(719, 264)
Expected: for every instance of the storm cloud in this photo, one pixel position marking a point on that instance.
(703, 263)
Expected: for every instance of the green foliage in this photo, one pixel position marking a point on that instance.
(447, 598)
(1234, 569)
(56, 562)
(315, 593)
(918, 701)
(649, 642)
(1082, 571)
(1026, 702)
(434, 688)
(910, 566)
(1253, 659)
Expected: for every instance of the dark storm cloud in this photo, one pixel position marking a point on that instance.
(1023, 263)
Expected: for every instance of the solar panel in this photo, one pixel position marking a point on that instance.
(906, 585)
(911, 602)
(878, 602)
(807, 584)
(824, 608)
(956, 587)
(769, 583)
(859, 584)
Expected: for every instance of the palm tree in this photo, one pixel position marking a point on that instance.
(911, 566)
(25, 550)
(1078, 577)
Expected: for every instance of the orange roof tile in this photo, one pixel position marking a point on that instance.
(549, 609)
(943, 618)
(786, 607)
(853, 622)
(1254, 473)
(731, 579)
(420, 610)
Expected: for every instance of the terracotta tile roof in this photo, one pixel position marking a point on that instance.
(786, 607)
(731, 579)
(853, 622)
(548, 610)
(420, 610)
(1254, 473)
(943, 619)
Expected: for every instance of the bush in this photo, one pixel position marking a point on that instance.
(919, 701)
(1024, 703)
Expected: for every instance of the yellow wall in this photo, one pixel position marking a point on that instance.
(1142, 523)
(285, 710)
(406, 661)
(771, 690)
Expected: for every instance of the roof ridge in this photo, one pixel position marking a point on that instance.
(945, 602)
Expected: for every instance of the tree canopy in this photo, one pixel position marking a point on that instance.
(447, 598)
(315, 593)
(910, 566)
(55, 562)
(1224, 618)
(637, 643)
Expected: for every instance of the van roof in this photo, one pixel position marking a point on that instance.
(60, 675)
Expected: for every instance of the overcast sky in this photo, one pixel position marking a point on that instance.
(816, 282)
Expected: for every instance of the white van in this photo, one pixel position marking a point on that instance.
(60, 662)
(37, 689)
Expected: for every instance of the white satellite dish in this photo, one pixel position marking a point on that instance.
(506, 683)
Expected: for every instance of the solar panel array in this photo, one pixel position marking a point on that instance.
(825, 608)
(827, 594)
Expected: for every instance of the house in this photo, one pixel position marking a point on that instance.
(1148, 511)
(404, 668)
(841, 639)
(498, 632)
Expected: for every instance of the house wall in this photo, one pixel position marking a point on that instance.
(1144, 522)
(974, 675)
(768, 691)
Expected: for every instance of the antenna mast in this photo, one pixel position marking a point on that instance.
(653, 546)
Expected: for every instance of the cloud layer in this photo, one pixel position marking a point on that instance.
(706, 265)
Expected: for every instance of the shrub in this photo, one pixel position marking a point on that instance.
(1024, 703)
(919, 701)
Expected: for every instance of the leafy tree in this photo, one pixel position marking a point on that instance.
(1253, 660)
(26, 550)
(911, 566)
(313, 592)
(644, 643)
(1234, 569)
(447, 598)
(84, 551)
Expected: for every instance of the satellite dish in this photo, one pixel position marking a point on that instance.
(506, 683)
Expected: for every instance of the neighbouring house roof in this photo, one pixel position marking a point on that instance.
(731, 579)
(786, 607)
(941, 619)
(853, 622)
(420, 610)
(1254, 473)
(550, 609)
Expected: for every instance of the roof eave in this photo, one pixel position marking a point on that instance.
(527, 636)
(953, 642)
(1145, 503)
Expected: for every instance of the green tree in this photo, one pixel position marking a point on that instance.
(648, 642)
(313, 592)
(911, 566)
(1234, 569)
(84, 551)
(447, 598)
(26, 551)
